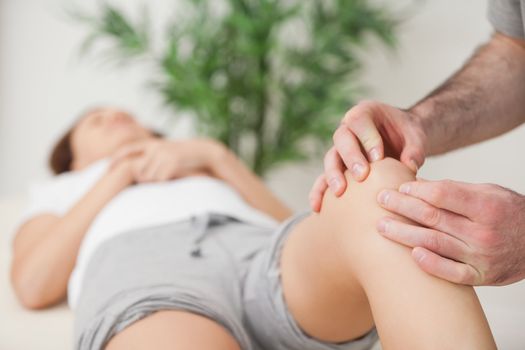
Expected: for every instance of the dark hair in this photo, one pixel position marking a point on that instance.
(61, 158)
(62, 155)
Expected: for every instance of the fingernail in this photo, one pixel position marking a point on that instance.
(382, 225)
(404, 188)
(374, 154)
(418, 254)
(383, 197)
(334, 184)
(358, 170)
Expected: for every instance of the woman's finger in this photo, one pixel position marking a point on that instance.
(334, 172)
(349, 149)
(417, 236)
(444, 268)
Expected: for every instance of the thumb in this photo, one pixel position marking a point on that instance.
(413, 156)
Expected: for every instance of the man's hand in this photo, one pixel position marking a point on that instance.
(472, 233)
(376, 129)
(155, 160)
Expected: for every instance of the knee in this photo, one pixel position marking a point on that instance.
(387, 173)
(352, 218)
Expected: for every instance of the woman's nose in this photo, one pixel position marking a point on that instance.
(117, 117)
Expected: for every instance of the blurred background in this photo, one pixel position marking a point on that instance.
(45, 83)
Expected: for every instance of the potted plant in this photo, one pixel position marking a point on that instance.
(269, 78)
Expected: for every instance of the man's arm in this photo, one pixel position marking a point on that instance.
(484, 99)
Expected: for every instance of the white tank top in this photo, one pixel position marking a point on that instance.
(138, 206)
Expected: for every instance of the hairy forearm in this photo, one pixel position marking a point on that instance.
(482, 100)
(227, 167)
(41, 267)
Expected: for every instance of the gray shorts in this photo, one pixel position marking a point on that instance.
(210, 265)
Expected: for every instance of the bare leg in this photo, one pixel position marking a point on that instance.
(172, 330)
(340, 277)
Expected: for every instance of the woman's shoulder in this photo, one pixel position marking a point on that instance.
(58, 193)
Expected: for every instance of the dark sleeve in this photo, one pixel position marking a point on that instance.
(506, 17)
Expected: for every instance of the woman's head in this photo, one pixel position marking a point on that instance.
(96, 135)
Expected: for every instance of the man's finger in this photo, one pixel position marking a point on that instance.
(417, 236)
(348, 148)
(454, 196)
(444, 268)
(317, 192)
(360, 121)
(412, 156)
(424, 213)
(334, 169)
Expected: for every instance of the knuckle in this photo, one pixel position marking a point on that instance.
(438, 191)
(366, 104)
(487, 238)
(357, 111)
(330, 175)
(337, 134)
(493, 209)
(430, 216)
(487, 187)
(464, 275)
(370, 140)
(346, 153)
(433, 242)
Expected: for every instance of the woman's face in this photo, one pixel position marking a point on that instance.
(102, 132)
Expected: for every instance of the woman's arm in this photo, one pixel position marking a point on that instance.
(161, 160)
(46, 247)
(227, 167)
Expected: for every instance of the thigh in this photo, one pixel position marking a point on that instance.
(324, 297)
(174, 330)
(321, 275)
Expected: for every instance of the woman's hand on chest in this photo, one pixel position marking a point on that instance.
(157, 159)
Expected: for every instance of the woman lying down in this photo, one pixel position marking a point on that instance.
(177, 245)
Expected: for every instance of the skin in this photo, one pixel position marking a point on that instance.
(362, 279)
(357, 272)
(167, 330)
(482, 100)
(46, 246)
(114, 126)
